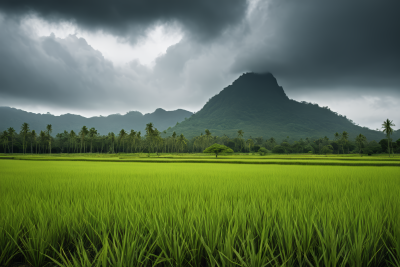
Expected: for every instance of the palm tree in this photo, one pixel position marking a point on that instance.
(49, 130)
(360, 139)
(139, 141)
(251, 143)
(4, 138)
(112, 137)
(122, 135)
(240, 136)
(165, 142)
(337, 137)
(11, 133)
(181, 141)
(42, 139)
(150, 135)
(132, 137)
(92, 134)
(24, 132)
(173, 141)
(208, 136)
(345, 137)
(72, 136)
(84, 131)
(33, 139)
(157, 139)
(387, 128)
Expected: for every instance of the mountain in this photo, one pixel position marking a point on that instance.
(256, 104)
(162, 119)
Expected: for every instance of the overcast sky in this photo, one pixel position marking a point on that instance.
(108, 57)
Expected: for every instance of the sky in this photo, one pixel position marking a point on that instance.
(106, 57)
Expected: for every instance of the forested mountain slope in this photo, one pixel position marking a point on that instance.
(162, 119)
(256, 104)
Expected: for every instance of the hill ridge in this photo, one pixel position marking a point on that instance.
(162, 119)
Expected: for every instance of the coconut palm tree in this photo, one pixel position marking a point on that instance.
(92, 134)
(387, 128)
(345, 137)
(42, 139)
(208, 136)
(173, 141)
(360, 139)
(33, 139)
(122, 135)
(240, 136)
(181, 142)
(49, 130)
(112, 139)
(4, 138)
(84, 131)
(139, 141)
(132, 137)
(250, 142)
(24, 133)
(11, 133)
(337, 140)
(72, 137)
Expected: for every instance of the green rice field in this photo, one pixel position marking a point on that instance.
(118, 211)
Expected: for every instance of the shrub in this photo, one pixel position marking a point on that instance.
(327, 149)
(279, 149)
(262, 151)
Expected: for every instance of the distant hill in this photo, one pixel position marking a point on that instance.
(162, 119)
(256, 104)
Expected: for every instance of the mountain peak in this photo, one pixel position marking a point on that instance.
(159, 110)
(256, 104)
(262, 86)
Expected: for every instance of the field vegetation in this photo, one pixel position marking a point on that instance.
(242, 158)
(154, 141)
(83, 213)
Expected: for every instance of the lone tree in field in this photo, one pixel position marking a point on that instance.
(218, 149)
(387, 128)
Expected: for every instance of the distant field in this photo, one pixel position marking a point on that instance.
(294, 159)
(72, 213)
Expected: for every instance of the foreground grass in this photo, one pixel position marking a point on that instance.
(137, 214)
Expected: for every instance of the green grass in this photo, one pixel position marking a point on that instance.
(139, 214)
(297, 159)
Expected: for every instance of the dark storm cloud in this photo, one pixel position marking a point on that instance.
(204, 19)
(64, 73)
(326, 44)
(343, 54)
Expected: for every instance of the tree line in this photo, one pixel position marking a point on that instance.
(153, 141)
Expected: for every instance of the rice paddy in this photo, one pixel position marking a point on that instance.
(116, 213)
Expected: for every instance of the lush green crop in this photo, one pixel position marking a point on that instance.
(143, 214)
(237, 159)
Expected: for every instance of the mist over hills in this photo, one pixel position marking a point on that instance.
(162, 119)
(256, 104)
